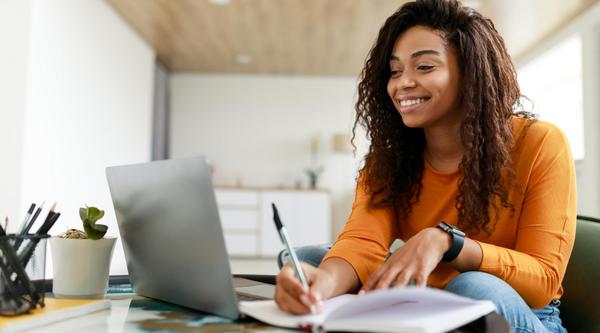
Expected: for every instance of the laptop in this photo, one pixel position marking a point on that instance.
(172, 236)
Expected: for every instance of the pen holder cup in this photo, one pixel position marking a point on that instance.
(22, 273)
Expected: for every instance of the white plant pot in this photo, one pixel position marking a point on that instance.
(81, 266)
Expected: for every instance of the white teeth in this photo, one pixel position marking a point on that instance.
(409, 102)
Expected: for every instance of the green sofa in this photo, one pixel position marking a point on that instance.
(580, 308)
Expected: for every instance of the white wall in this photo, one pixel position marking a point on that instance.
(256, 130)
(15, 20)
(89, 106)
(588, 176)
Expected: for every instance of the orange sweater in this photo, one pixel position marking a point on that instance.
(529, 249)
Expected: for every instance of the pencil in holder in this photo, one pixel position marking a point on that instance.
(22, 273)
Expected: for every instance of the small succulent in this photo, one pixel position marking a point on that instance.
(89, 216)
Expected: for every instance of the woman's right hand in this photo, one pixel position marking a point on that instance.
(291, 297)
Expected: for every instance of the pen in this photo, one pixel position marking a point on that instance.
(9, 261)
(31, 221)
(48, 221)
(26, 253)
(27, 216)
(28, 226)
(288, 245)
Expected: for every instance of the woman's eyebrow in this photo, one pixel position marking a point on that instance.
(423, 52)
(417, 54)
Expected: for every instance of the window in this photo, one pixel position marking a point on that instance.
(553, 82)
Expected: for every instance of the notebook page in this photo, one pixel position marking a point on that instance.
(268, 312)
(415, 317)
(423, 314)
(396, 296)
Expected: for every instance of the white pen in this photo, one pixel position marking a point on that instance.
(288, 245)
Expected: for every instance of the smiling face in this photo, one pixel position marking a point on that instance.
(424, 84)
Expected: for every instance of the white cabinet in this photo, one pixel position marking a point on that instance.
(306, 216)
(247, 219)
(238, 210)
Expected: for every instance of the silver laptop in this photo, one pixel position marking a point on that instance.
(172, 237)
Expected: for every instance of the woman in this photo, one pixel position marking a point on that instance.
(437, 98)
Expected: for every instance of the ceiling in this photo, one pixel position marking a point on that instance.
(306, 37)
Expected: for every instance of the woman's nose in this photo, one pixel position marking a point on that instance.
(406, 82)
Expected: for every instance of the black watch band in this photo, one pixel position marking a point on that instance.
(458, 240)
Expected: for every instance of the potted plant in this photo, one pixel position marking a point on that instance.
(314, 170)
(81, 259)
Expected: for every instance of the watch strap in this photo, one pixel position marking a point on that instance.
(458, 241)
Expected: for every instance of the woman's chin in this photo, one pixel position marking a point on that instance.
(411, 121)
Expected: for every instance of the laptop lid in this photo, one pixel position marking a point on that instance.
(171, 233)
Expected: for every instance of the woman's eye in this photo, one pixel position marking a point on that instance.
(425, 67)
(394, 73)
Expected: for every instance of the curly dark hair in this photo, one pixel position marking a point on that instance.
(490, 96)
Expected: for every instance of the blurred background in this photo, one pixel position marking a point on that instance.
(265, 89)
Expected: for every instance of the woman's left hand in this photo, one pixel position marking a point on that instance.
(416, 259)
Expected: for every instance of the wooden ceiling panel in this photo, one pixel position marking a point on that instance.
(304, 37)
(308, 37)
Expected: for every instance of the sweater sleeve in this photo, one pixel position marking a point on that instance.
(546, 226)
(365, 240)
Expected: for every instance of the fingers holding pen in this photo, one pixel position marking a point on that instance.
(289, 303)
(287, 280)
(290, 294)
(315, 279)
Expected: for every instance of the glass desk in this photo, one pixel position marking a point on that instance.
(137, 314)
(131, 313)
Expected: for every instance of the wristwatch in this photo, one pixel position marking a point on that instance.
(458, 240)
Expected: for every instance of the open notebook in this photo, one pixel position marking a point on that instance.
(409, 309)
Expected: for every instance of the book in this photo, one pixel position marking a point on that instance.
(408, 309)
(53, 311)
